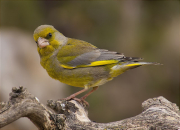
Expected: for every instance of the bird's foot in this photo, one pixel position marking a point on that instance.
(82, 101)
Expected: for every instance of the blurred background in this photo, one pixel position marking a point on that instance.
(147, 29)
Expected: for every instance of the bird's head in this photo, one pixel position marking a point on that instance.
(48, 39)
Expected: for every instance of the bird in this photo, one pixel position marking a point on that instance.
(79, 63)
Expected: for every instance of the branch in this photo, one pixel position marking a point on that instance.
(158, 113)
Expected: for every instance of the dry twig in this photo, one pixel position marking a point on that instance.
(158, 113)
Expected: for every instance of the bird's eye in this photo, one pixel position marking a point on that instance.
(49, 35)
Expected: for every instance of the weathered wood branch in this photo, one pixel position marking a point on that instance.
(158, 113)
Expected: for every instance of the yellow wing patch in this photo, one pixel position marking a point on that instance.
(67, 66)
(95, 63)
(103, 62)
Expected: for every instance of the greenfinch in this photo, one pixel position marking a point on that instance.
(79, 63)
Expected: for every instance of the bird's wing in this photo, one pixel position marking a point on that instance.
(82, 54)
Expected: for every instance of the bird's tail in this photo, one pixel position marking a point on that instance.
(127, 65)
(134, 64)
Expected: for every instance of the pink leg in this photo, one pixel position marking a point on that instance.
(75, 94)
(85, 96)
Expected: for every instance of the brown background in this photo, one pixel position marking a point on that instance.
(148, 29)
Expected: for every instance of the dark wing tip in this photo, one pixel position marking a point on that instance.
(131, 59)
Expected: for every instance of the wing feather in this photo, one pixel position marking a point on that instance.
(82, 54)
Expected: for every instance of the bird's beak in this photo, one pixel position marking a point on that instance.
(42, 42)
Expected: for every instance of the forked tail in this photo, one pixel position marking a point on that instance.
(124, 66)
(132, 65)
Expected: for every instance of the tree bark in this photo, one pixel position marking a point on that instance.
(158, 113)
